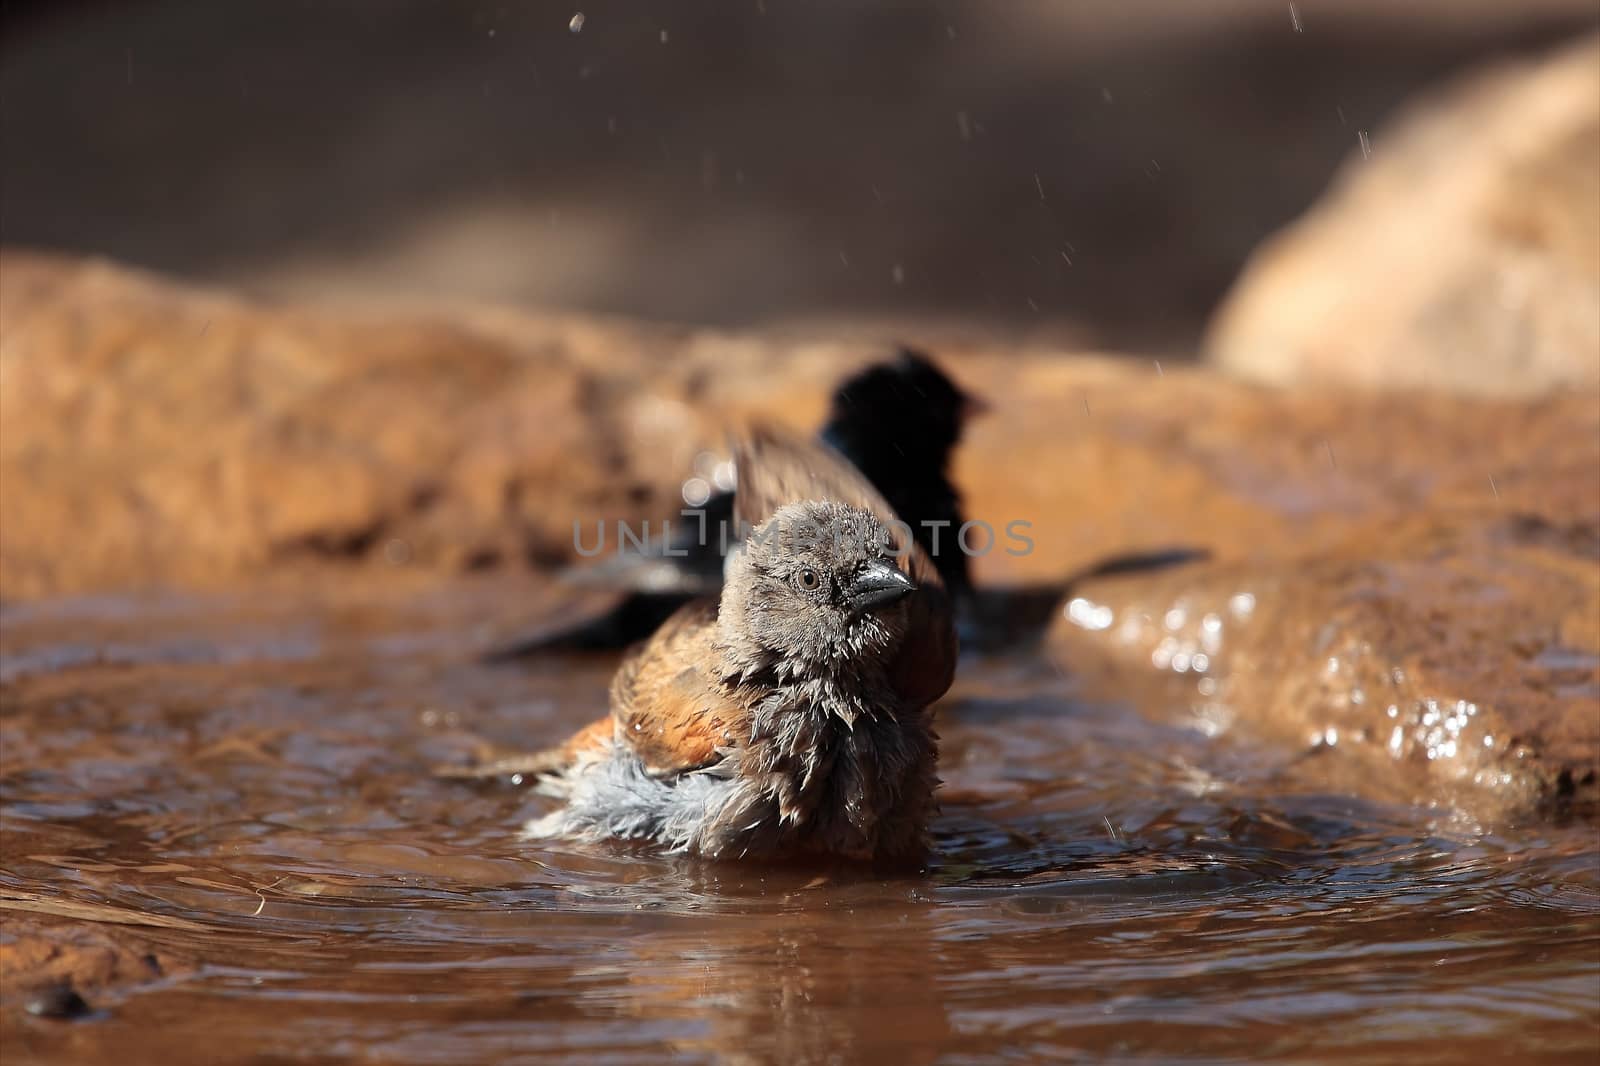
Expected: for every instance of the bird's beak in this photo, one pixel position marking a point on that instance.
(877, 585)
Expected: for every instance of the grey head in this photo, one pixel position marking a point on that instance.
(814, 591)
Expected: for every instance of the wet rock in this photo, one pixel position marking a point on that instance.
(1459, 249)
(59, 1001)
(52, 967)
(1469, 657)
(1400, 582)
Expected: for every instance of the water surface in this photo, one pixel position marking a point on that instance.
(245, 781)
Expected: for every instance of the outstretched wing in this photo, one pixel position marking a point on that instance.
(777, 468)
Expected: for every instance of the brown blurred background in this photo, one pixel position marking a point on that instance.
(1089, 170)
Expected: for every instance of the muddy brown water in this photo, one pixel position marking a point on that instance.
(240, 783)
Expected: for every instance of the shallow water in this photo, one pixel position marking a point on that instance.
(244, 782)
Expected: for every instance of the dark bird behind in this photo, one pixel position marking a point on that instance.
(897, 422)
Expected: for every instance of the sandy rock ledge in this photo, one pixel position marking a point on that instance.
(1459, 250)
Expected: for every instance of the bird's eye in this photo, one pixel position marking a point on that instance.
(807, 580)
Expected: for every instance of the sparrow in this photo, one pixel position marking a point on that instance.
(789, 716)
(896, 421)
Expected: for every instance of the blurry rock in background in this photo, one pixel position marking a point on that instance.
(1074, 171)
(1463, 254)
(176, 436)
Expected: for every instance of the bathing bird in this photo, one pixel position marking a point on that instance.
(788, 716)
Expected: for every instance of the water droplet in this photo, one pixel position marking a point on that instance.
(1366, 144)
(696, 491)
(576, 23)
(1089, 615)
(1161, 657)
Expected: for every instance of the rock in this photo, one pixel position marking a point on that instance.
(1107, 457)
(1434, 554)
(166, 435)
(59, 1001)
(1463, 254)
(1470, 655)
(53, 967)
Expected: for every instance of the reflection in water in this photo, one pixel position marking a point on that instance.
(1108, 883)
(798, 986)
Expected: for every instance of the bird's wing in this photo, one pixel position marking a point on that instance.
(667, 701)
(666, 704)
(777, 468)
